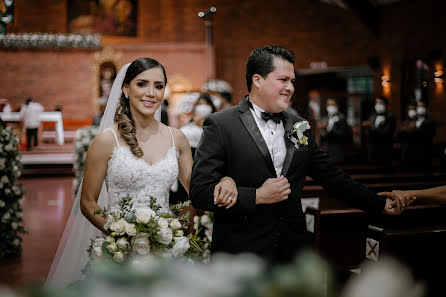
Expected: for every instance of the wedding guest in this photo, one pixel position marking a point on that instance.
(424, 133)
(334, 132)
(405, 134)
(193, 130)
(30, 115)
(379, 130)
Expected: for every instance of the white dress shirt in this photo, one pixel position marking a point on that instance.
(30, 114)
(273, 134)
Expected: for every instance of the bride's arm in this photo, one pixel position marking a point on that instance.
(185, 160)
(225, 192)
(95, 168)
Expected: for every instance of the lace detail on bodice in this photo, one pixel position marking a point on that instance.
(128, 175)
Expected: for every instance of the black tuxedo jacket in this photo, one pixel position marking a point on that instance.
(232, 145)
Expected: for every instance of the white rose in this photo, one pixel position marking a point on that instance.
(119, 257)
(122, 243)
(2, 163)
(16, 242)
(4, 180)
(175, 224)
(110, 239)
(97, 248)
(179, 233)
(118, 227)
(7, 191)
(143, 215)
(6, 216)
(141, 245)
(16, 190)
(20, 201)
(130, 229)
(208, 233)
(112, 247)
(205, 220)
(2, 203)
(165, 235)
(181, 246)
(196, 219)
(14, 225)
(162, 222)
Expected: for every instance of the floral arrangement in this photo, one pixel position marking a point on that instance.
(296, 135)
(84, 137)
(11, 196)
(145, 231)
(46, 40)
(203, 225)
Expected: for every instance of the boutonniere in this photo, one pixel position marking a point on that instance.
(296, 135)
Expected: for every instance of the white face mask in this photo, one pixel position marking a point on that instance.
(380, 108)
(412, 113)
(203, 110)
(421, 110)
(331, 109)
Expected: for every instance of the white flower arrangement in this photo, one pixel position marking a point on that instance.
(84, 136)
(11, 196)
(46, 40)
(296, 135)
(143, 232)
(203, 225)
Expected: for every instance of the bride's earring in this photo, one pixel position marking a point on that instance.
(126, 96)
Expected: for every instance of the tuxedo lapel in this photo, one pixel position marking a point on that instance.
(251, 125)
(288, 125)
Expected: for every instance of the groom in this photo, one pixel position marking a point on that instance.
(252, 144)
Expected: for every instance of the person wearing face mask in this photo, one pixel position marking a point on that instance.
(405, 134)
(424, 133)
(379, 130)
(193, 131)
(334, 132)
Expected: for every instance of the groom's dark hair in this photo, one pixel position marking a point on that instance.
(261, 61)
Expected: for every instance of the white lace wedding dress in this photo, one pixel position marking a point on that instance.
(128, 175)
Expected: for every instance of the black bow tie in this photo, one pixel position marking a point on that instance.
(276, 117)
(266, 116)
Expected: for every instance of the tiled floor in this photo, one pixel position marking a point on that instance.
(46, 209)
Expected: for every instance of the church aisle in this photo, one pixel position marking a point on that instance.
(46, 208)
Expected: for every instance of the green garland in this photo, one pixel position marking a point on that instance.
(11, 196)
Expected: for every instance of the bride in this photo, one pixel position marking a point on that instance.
(133, 155)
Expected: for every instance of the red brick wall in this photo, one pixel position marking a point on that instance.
(314, 30)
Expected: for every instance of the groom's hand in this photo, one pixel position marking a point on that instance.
(273, 190)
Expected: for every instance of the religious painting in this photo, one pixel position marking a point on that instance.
(108, 17)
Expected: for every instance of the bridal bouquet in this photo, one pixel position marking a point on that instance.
(145, 231)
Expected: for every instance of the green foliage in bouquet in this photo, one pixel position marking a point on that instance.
(11, 196)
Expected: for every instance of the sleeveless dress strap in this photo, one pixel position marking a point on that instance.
(116, 137)
(171, 134)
